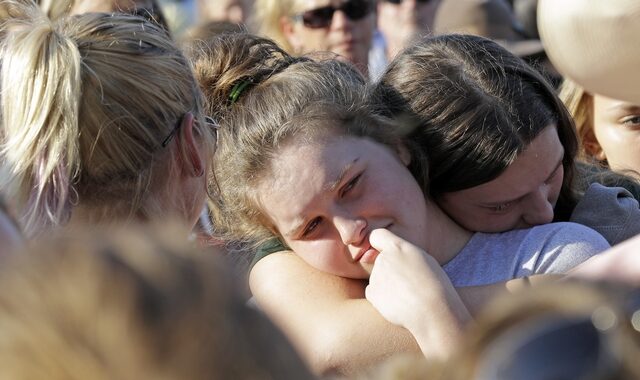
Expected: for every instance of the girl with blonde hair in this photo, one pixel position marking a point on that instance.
(103, 123)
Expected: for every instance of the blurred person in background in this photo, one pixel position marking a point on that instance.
(342, 27)
(234, 11)
(149, 9)
(568, 330)
(399, 23)
(494, 19)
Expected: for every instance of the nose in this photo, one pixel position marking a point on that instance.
(340, 20)
(352, 230)
(539, 208)
(409, 4)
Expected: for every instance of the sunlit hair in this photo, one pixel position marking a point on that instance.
(87, 102)
(285, 98)
(140, 304)
(266, 20)
(473, 107)
(580, 105)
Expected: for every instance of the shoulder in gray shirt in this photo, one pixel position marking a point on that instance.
(548, 248)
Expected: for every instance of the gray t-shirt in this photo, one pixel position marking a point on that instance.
(548, 248)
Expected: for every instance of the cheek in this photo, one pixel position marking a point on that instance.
(325, 255)
(556, 187)
(364, 29)
(610, 137)
(313, 39)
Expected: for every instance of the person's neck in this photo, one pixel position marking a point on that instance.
(445, 238)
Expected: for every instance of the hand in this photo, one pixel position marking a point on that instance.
(410, 289)
(403, 280)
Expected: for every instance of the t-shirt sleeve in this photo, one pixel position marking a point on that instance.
(566, 245)
(272, 245)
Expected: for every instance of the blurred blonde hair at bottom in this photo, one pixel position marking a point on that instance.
(141, 304)
(532, 313)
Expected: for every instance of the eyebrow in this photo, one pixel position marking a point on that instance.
(555, 169)
(621, 105)
(329, 188)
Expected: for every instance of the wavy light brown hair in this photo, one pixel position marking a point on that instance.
(283, 98)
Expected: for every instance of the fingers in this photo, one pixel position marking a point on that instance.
(382, 239)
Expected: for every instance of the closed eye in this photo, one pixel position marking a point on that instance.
(501, 207)
(553, 175)
(350, 185)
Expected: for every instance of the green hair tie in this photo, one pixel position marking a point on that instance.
(237, 89)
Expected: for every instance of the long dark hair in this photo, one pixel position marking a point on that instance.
(473, 107)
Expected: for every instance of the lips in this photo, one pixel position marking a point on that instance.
(367, 255)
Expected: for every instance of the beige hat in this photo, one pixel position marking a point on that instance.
(596, 43)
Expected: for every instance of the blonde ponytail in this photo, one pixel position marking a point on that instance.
(40, 92)
(87, 102)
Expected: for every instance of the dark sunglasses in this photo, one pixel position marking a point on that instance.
(208, 120)
(321, 17)
(397, 2)
(552, 349)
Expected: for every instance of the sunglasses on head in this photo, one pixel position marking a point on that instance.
(322, 17)
(397, 2)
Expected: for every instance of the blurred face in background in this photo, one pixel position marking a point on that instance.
(400, 21)
(395, 14)
(343, 27)
(235, 11)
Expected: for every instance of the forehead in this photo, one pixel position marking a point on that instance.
(531, 168)
(604, 104)
(312, 4)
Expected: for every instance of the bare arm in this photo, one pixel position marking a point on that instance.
(326, 317)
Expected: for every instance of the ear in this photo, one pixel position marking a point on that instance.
(190, 156)
(287, 26)
(403, 153)
(592, 146)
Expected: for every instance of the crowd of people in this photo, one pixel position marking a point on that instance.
(293, 189)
